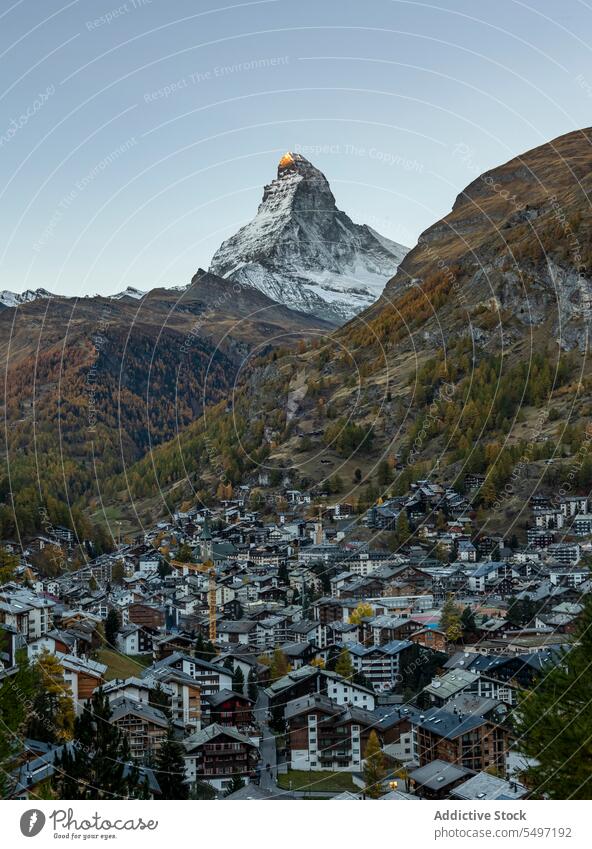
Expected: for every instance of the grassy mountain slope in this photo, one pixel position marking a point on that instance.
(90, 385)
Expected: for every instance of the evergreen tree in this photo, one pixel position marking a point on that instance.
(235, 784)
(202, 790)
(283, 574)
(467, 621)
(238, 681)
(554, 723)
(184, 553)
(360, 679)
(164, 568)
(332, 658)
(374, 768)
(117, 572)
(521, 612)
(112, 625)
(252, 683)
(160, 700)
(384, 474)
(170, 768)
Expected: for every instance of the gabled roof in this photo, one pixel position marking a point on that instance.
(199, 738)
(447, 724)
(120, 684)
(222, 696)
(175, 657)
(89, 667)
(342, 714)
(123, 707)
(487, 568)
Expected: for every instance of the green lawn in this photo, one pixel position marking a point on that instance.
(122, 665)
(316, 781)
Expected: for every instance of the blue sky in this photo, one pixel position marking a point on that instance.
(134, 137)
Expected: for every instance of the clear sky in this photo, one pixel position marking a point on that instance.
(134, 137)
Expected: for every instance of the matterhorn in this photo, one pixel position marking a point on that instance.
(302, 251)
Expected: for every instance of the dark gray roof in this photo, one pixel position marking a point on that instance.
(447, 724)
(123, 707)
(437, 774)
(199, 738)
(238, 626)
(222, 695)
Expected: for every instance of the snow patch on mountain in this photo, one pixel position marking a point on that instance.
(130, 292)
(15, 299)
(302, 251)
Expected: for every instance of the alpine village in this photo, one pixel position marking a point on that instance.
(286, 537)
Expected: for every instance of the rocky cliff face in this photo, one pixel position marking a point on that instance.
(302, 251)
(519, 237)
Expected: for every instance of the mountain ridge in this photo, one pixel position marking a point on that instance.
(92, 384)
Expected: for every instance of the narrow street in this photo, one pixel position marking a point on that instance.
(267, 777)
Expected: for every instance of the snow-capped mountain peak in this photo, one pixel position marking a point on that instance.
(302, 251)
(129, 292)
(15, 299)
